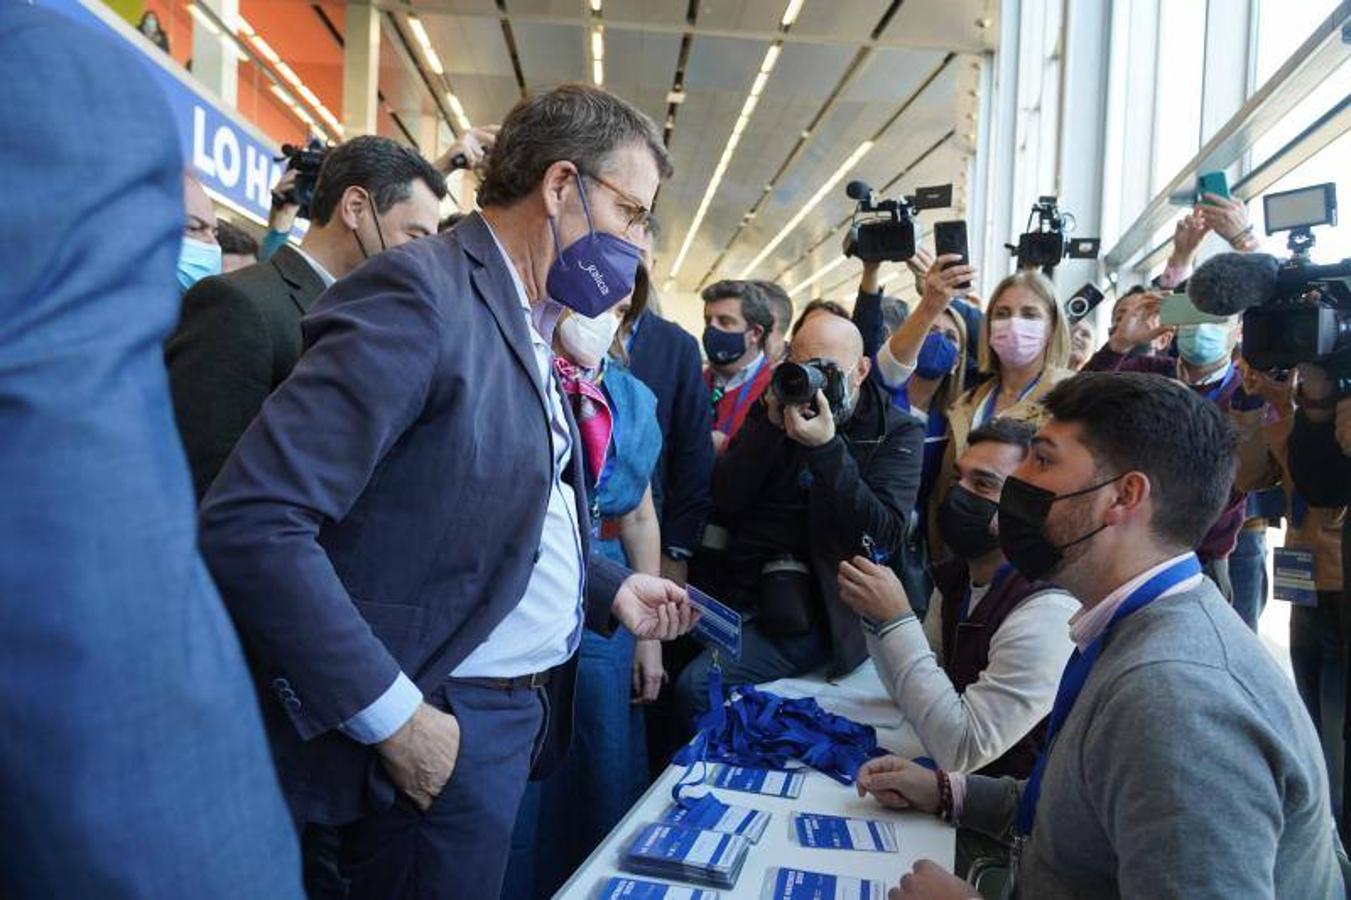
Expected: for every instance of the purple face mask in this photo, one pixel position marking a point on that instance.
(594, 272)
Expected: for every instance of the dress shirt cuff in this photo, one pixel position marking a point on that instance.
(679, 554)
(892, 371)
(390, 712)
(958, 782)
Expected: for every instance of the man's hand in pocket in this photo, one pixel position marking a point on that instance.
(421, 755)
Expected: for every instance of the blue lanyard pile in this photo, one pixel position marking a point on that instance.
(1076, 676)
(765, 731)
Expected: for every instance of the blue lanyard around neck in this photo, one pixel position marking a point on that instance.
(990, 404)
(1076, 676)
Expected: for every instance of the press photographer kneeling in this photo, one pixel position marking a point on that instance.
(824, 468)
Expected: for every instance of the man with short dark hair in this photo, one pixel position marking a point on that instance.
(237, 248)
(1180, 762)
(803, 487)
(1000, 638)
(781, 306)
(738, 319)
(239, 334)
(402, 536)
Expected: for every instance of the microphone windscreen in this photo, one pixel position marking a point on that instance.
(1229, 283)
(858, 190)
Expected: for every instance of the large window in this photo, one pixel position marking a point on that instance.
(1178, 91)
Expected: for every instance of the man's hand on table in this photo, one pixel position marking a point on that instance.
(421, 755)
(872, 591)
(653, 608)
(898, 783)
(930, 881)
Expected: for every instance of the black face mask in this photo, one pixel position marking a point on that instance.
(1023, 508)
(964, 523)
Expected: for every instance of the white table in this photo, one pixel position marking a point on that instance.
(919, 836)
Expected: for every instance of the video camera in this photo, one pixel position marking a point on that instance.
(305, 162)
(1293, 310)
(884, 230)
(1046, 244)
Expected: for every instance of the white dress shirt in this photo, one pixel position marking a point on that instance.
(319, 270)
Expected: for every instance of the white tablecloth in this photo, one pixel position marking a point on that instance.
(860, 697)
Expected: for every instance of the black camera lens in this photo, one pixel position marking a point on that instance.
(797, 383)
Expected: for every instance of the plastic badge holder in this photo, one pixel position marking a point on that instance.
(770, 782)
(711, 814)
(814, 830)
(634, 889)
(796, 884)
(687, 854)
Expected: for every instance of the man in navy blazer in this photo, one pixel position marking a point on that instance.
(132, 756)
(401, 534)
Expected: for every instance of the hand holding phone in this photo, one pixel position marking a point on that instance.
(950, 238)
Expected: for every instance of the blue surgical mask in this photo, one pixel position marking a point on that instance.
(1203, 345)
(196, 260)
(936, 357)
(594, 272)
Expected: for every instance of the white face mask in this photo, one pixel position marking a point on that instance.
(586, 340)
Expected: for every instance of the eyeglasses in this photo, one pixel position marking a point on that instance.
(639, 216)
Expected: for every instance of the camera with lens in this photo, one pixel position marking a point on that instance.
(884, 230)
(1046, 241)
(305, 162)
(796, 384)
(1302, 312)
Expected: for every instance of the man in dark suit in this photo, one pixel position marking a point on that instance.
(401, 534)
(132, 761)
(239, 334)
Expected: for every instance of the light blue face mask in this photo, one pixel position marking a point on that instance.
(1205, 344)
(196, 260)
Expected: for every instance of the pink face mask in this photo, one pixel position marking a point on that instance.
(1018, 341)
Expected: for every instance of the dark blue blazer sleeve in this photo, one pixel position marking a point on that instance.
(373, 348)
(690, 476)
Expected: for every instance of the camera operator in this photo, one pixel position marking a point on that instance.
(239, 334)
(807, 484)
(1205, 362)
(738, 320)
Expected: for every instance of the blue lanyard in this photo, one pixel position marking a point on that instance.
(1076, 676)
(1213, 393)
(742, 398)
(990, 404)
(964, 611)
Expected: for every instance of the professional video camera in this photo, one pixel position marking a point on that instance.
(886, 231)
(796, 384)
(1046, 245)
(305, 162)
(1293, 311)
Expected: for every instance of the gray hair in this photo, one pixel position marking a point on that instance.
(576, 122)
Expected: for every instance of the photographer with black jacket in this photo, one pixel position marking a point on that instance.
(798, 490)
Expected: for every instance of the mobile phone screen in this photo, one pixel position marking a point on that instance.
(950, 237)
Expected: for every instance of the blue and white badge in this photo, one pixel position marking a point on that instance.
(687, 854)
(772, 782)
(1294, 577)
(719, 626)
(795, 884)
(633, 889)
(840, 833)
(711, 814)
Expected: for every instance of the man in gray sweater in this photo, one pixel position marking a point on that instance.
(1180, 762)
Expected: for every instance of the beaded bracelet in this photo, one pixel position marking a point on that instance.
(945, 801)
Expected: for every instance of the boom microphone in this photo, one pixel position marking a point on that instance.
(1229, 283)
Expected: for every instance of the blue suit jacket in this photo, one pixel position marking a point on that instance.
(384, 511)
(666, 358)
(132, 756)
